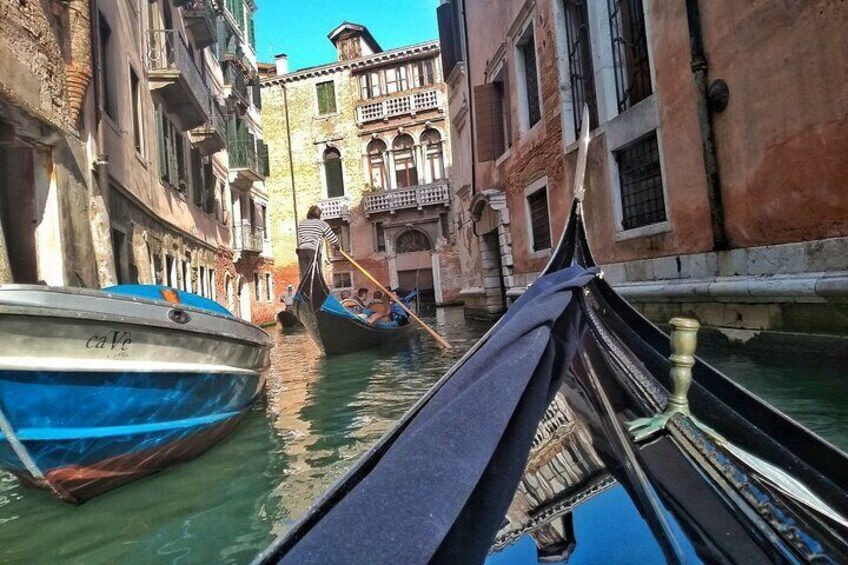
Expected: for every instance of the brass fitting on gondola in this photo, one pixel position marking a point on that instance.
(684, 338)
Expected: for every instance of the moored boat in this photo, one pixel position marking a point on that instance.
(98, 388)
(336, 330)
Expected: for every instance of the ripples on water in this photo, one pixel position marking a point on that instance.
(318, 417)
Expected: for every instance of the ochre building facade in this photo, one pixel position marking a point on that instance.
(132, 148)
(366, 138)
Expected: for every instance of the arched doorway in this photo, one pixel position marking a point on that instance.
(244, 299)
(414, 264)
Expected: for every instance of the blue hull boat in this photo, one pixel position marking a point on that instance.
(98, 388)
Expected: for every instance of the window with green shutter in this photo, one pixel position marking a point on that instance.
(326, 93)
(196, 177)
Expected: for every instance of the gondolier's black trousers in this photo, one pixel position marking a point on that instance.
(305, 257)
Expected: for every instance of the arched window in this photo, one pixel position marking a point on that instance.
(406, 171)
(411, 241)
(377, 163)
(431, 139)
(333, 172)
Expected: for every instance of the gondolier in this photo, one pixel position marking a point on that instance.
(310, 233)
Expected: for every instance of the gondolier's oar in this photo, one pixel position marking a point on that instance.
(399, 302)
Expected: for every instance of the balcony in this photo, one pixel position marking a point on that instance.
(244, 160)
(399, 105)
(235, 83)
(200, 21)
(336, 208)
(247, 238)
(172, 73)
(436, 194)
(211, 136)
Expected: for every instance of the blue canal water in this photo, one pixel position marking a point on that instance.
(318, 417)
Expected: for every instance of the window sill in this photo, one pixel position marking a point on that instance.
(543, 254)
(644, 231)
(142, 160)
(504, 156)
(326, 116)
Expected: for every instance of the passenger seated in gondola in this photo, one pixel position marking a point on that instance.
(399, 315)
(350, 303)
(382, 309)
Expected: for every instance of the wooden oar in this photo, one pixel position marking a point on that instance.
(397, 300)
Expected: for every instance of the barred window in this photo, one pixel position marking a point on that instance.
(342, 280)
(527, 51)
(642, 199)
(629, 51)
(326, 93)
(580, 69)
(540, 227)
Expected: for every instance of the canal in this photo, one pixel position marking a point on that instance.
(318, 417)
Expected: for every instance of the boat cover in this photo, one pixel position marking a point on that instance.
(441, 492)
(332, 305)
(154, 292)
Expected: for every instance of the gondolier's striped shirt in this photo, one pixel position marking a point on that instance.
(310, 233)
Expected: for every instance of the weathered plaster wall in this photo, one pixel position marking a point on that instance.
(310, 136)
(783, 138)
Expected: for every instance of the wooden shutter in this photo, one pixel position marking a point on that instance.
(209, 185)
(160, 139)
(448, 37)
(489, 122)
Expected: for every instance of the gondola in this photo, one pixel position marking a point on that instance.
(336, 330)
(573, 398)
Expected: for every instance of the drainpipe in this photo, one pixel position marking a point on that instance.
(467, 58)
(291, 160)
(99, 208)
(699, 68)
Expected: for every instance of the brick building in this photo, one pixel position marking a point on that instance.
(151, 173)
(367, 138)
(715, 184)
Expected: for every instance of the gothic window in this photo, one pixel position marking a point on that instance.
(333, 172)
(432, 141)
(406, 171)
(411, 241)
(396, 80)
(423, 73)
(377, 163)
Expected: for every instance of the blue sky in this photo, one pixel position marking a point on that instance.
(299, 28)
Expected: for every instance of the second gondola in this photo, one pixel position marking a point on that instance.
(335, 329)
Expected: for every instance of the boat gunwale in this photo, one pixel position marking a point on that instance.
(104, 294)
(20, 310)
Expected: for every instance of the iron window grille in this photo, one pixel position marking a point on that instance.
(630, 52)
(640, 176)
(539, 222)
(531, 79)
(580, 68)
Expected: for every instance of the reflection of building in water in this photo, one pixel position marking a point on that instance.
(563, 470)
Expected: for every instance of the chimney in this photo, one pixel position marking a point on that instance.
(282, 62)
